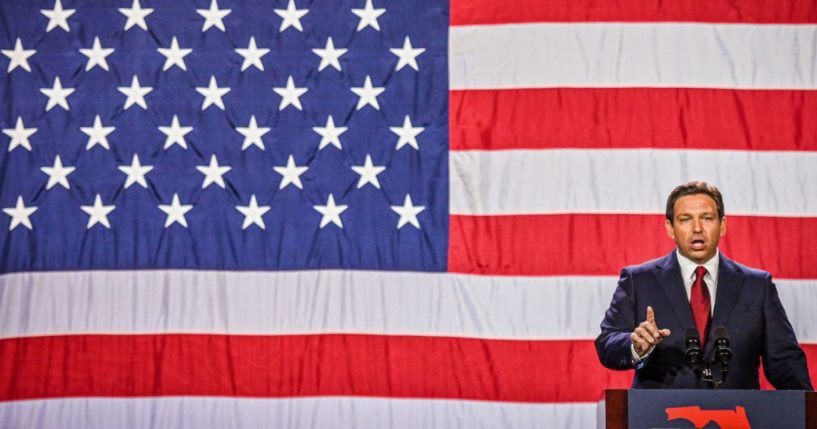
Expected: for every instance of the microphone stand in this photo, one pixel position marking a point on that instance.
(707, 377)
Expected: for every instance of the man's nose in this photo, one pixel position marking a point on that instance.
(697, 225)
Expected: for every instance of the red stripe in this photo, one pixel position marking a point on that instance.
(303, 365)
(633, 118)
(308, 365)
(470, 12)
(601, 244)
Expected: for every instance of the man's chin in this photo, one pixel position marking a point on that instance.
(698, 256)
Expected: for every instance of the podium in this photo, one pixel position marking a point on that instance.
(727, 409)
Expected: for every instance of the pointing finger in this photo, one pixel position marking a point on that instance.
(650, 315)
(651, 328)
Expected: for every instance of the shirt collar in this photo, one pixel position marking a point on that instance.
(688, 266)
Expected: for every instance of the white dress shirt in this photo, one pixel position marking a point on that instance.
(711, 278)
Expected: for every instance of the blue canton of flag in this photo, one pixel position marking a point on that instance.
(258, 134)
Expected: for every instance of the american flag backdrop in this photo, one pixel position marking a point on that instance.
(373, 213)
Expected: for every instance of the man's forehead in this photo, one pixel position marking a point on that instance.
(699, 203)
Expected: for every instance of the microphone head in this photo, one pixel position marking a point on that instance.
(691, 334)
(720, 333)
(693, 349)
(722, 352)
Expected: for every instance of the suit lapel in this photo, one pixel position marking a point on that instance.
(730, 283)
(668, 274)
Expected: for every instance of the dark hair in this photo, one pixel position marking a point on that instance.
(693, 188)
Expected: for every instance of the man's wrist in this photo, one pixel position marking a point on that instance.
(638, 359)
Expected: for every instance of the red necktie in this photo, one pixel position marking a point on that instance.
(699, 302)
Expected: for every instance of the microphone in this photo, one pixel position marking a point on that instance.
(722, 351)
(693, 350)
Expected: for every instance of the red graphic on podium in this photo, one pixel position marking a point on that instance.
(725, 419)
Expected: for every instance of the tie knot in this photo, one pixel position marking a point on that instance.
(700, 272)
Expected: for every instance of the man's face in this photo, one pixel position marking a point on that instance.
(696, 227)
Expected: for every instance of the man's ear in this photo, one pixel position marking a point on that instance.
(670, 232)
(723, 226)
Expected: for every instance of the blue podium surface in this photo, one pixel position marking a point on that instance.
(716, 408)
(708, 409)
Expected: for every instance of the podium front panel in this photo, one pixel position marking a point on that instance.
(735, 409)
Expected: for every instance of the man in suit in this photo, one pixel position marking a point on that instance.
(696, 286)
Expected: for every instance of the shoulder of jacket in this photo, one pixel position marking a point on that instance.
(649, 266)
(745, 270)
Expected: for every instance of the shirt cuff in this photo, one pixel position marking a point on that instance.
(639, 361)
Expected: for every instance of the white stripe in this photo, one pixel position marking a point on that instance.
(628, 180)
(546, 55)
(799, 298)
(301, 302)
(306, 302)
(301, 413)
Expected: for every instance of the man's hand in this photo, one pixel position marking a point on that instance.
(647, 334)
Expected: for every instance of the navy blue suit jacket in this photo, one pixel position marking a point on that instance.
(746, 304)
